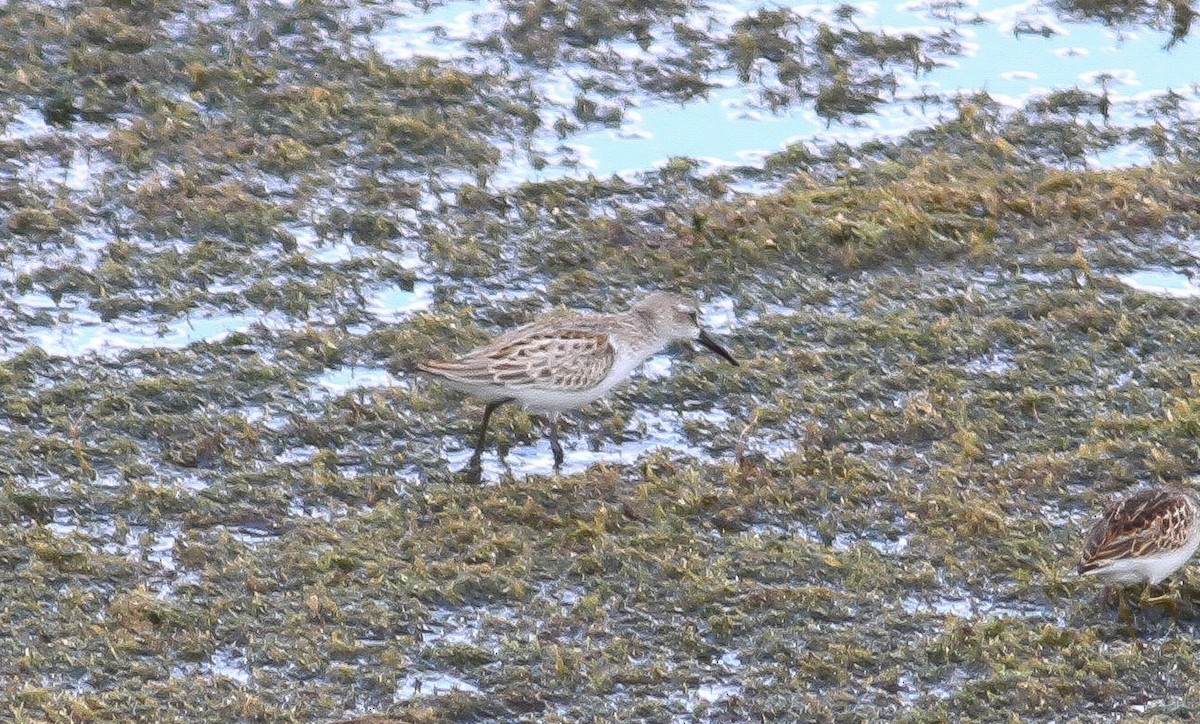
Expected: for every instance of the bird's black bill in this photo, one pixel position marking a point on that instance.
(712, 346)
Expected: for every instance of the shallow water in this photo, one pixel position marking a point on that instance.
(1162, 281)
(1014, 52)
(648, 431)
(416, 686)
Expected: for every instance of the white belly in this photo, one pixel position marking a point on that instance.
(1151, 569)
(555, 401)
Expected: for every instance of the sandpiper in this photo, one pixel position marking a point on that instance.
(562, 363)
(1144, 537)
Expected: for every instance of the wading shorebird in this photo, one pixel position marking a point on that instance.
(1144, 537)
(562, 363)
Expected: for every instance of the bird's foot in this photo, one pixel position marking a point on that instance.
(473, 472)
(1170, 600)
(556, 446)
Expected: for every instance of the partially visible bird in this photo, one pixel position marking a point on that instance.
(1144, 537)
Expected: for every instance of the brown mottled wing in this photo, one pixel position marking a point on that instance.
(1145, 523)
(534, 357)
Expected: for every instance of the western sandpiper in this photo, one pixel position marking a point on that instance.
(1144, 537)
(562, 363)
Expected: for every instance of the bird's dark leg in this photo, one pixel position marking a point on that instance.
(1114, 597)
(554, 444)
(1127, 617)
(1111, 595)
(487, 415)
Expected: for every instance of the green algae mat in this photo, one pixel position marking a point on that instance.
(228, 231)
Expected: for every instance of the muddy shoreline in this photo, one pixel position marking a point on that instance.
(224, 496)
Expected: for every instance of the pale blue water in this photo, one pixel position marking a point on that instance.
(728, 128)
(80, 331)
(1162, 281)
(340, 380)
